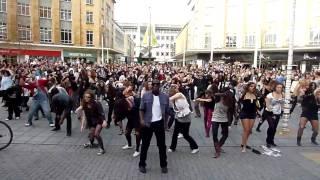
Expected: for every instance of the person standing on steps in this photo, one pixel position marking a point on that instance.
(183, 120)
(154, 109)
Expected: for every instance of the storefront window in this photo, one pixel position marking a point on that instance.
(66, 36)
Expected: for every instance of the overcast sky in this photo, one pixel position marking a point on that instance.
(163, 11)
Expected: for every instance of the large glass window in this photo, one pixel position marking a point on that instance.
(66, 36)
(65, 14)
(23, 9)
(45, 35)
(270, 39)
(89, 38)
(231, 41)
(24, 32)
(45, 12)
(89, 2)
(314, 36)
(3, 31)
(89, 17)
(3, 5)
(250, 40)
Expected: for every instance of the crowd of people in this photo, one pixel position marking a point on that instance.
(153, 97)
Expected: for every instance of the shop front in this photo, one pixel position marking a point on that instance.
(76, 56)
(27, 55)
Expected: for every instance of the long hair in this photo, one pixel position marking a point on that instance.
(84, 103)
(246, 89)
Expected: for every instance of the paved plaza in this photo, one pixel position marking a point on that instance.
(38, 153)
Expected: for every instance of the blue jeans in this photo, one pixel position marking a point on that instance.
(35, 106)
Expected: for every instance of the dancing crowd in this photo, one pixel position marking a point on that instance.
(153, 97)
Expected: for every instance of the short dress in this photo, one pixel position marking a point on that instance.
(249, 109)
(309, 107)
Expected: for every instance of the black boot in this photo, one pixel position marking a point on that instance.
(299, 141)
(313, 141)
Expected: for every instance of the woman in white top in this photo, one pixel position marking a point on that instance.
(223, 103)
(273, 111)
(182, 120)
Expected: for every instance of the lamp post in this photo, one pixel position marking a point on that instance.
(286, 109)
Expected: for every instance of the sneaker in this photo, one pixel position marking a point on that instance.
(17, 118)
(126, 147)
(180, 136)
(51, 125)
(27, 124)
(194, 151)
(170, 150)
(55, 129)
(136, 154)
(7, 119)
(87, 145)
(101, 152)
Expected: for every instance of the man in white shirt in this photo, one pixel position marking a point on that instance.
(154, 112)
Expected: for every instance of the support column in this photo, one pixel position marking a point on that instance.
(35, 21)
(55, 22)
(12, 21)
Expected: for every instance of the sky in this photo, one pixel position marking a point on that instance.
(163, 11)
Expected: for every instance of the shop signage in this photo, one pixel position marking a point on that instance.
(16, 52)
(79, 54)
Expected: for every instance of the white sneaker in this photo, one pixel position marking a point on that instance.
(194, 151)
(170, 150)
(126, 147)
(7, 119)
(51, 125)
(17, 118)
(27, 124)
(136, 153)
(180, 136)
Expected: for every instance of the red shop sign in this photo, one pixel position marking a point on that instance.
(15, 52)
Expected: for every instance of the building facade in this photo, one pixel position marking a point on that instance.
(233, 28)
(57, 29)
(165, 34)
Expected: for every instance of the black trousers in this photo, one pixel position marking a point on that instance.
(273, 121)
(224, 132)
(184, 129)
(68, 117)
(171, 118)
(146, 134)
(13, 106)
(111, 106)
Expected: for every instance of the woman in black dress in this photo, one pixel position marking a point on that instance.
(310, 105)
(95, 119)
(248, 112)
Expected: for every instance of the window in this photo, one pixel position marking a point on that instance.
(157, 53)
(172, 38)
(23, 9)
(45, 35)
(250, 41)
(65, 14)
(89, 2)
(162, 53)
(167, 53)
(314, 37)
(89, 17)
(167, 37)
(66, 0)
(89, 38)
(3, 5)
(3, 31)
(172, 54)
(270, 39)
(162, 37)
(158, 37)
(66, 36)
(231, 41)
(167, 45)
(45, 12)
(24, 32)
